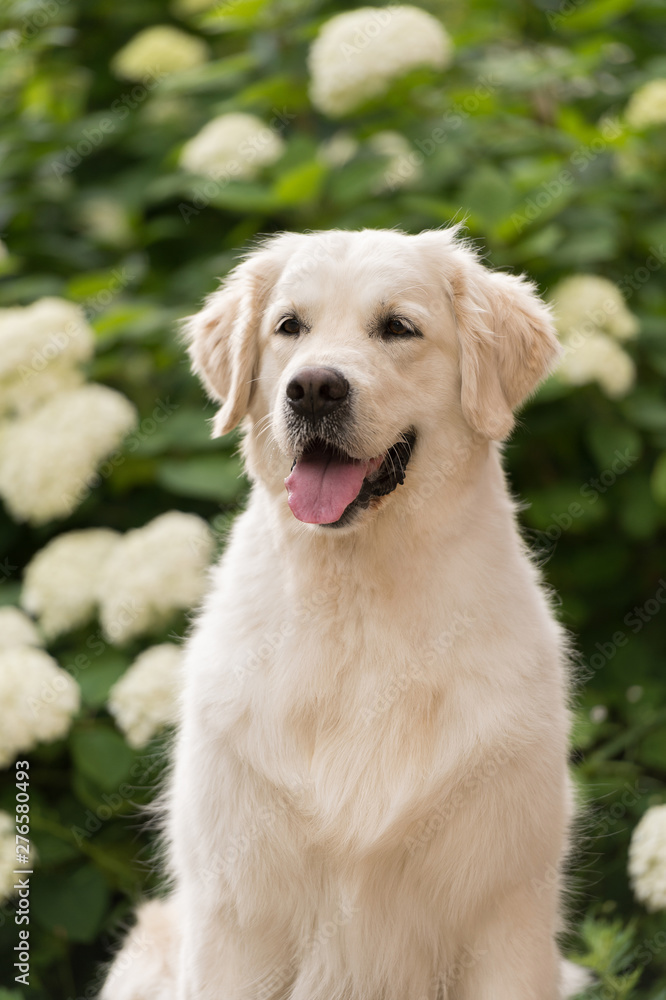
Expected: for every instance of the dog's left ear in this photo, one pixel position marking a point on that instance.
(223, 337)
(507, 345)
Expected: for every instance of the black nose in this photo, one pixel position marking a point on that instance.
(314, 392)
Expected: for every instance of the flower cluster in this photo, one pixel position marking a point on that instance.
(647, 106)
(16, 629)
(647, 859)
(42, 347)
(159, 50)
(48, 458)
(38, 700)
(135, 581)
(61, 584)
(358, 54)
(146, 697)
(153, 572)
(54, 431)
(592, 319)
(400, 169)
(232, 146)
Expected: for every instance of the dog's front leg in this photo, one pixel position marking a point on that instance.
(515, 956)
(219, 962)
(235, 864)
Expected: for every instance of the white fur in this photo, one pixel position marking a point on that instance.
(370, 798)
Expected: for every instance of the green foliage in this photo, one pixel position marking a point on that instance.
(514, 138)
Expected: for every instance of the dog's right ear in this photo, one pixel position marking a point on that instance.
(224, 338)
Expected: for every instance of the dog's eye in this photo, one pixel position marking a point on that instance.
(290, 326)
(394, 327)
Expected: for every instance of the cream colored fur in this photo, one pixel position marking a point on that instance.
(370, 798)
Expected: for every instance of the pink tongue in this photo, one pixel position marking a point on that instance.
(320, 488)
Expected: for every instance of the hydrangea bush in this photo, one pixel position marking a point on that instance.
(146, 145)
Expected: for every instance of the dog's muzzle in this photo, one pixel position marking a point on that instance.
(327, 486)
(314, 393)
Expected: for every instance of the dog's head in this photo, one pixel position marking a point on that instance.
(355, 355)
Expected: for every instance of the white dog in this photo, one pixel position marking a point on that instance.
(370, 798)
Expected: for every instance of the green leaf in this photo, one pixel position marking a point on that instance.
(593, 14)
(488, 194)
(611, 442)
(300, 185)
(658, 480)
(211, 477)
(638, 512)
(102, 755)
(652, 750)
(185, 428)
(70, 904)
(241, 197)
(52, 850)
(234, 16)
(646, 410)
(96, 681)
(211, 76)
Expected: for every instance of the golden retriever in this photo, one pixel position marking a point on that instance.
(370, 797)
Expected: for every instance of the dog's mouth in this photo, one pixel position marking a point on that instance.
(326, 485)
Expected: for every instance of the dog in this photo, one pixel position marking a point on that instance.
(370, 797)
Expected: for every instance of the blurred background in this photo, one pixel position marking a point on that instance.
(143, 145)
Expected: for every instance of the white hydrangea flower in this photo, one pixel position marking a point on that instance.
(106, 219)
(338, 150)
(157, 51)
(586, 303)
(153, 572)
(146, 697)
(402, 166)
(41, 348)
(357, 54)
(37, 700)
(233, 146)
(647, 859)
(647, 105)
(7, 856)
(16, 629)
(597, 358)
(61, 581)
(48, 459)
